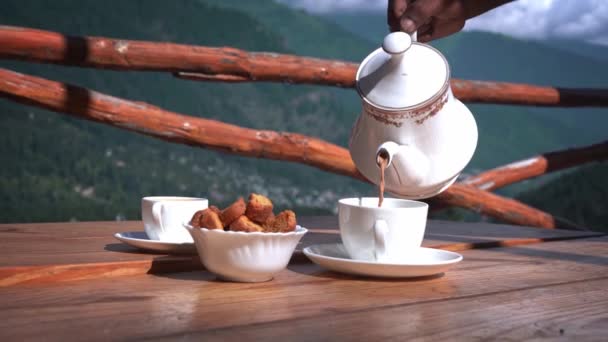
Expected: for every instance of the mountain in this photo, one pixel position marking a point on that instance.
(562, 196)
(594, 51)
(308, 35)
(60, 168)
(301, 33)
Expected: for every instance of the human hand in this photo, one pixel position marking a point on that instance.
(435, 19)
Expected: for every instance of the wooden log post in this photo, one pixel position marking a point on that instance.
(118, 54)
(156, 122)
(492, 205)
(233, 65)
(150, 120)
(538, 166)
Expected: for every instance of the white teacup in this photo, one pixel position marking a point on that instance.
(387, 234)
(163, 216)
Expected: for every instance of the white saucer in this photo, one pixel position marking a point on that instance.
(425, 262)
(140, 240)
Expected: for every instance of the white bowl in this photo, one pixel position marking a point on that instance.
(245, 257)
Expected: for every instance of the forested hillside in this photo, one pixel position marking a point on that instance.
(59, 168)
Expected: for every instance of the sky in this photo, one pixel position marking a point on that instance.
(585, 20)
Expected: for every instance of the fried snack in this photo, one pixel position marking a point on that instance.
(284, 222)
(268, 224)
(233, 212)
(268, 220)
(215, 209)
(244, 224)
(211, 220)
(259, 208)
(196, 218)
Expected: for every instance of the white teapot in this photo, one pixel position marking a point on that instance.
(411, 118)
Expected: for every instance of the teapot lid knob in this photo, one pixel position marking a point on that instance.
(396, 43)
(402, 74)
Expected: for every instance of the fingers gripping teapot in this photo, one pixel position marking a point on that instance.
(411, 118)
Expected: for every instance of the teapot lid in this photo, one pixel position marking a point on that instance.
(402, 74)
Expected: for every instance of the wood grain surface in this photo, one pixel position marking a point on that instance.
(58, 252)
(547, 290)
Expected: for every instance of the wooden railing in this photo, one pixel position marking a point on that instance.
(233, 65)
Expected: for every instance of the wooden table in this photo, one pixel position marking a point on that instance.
(74, 281)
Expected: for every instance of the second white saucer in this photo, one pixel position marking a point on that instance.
(140, 240)
(424, 262)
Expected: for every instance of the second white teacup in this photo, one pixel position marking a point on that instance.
(163, 216)
(387, 234)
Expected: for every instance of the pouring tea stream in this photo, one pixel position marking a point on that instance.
(411, 118)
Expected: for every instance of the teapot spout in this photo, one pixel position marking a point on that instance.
(410, 164)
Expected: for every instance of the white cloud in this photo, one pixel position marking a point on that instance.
(585, 20)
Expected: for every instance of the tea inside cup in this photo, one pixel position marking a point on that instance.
(390, 234)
